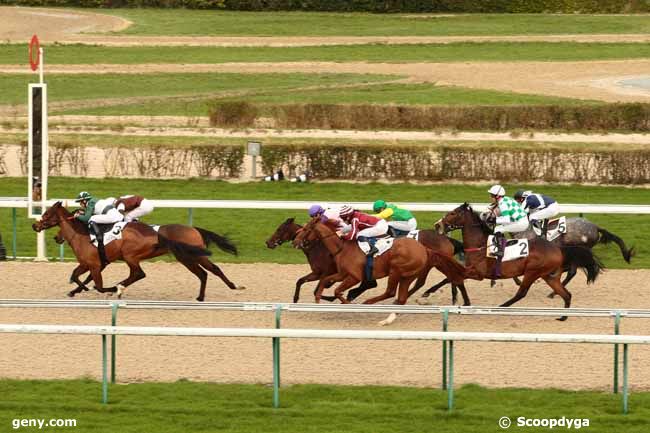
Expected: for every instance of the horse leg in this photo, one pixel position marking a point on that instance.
(312, 276)
(523, 290)
(96, 274)
(422, 278)
(571, 272)
(434, 288)
(463, 292)
(318, 293)
(197, 270)
(136, 273)
(391, 289)
(74, 278)
(402, 296)
(358, 291)
(558, 287)
(347, 282)
(208, 265)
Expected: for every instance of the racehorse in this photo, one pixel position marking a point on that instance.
(402, 263)
(545, 260)
(582, 233)
(139, 242)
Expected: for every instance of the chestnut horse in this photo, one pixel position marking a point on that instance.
(139, 242)
(402, 264)
(545, 260)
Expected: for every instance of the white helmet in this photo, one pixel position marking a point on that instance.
(497, 190)
(345, 211)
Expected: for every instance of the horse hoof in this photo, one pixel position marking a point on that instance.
(70, 294)
(200, 299)
(389, 320)
(562, 319)
(422, 301)
(240, 288)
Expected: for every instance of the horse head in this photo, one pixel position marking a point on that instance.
(51, 218)
(307, 233)
(284, 233)
(456, 218)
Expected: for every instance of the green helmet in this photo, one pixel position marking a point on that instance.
(378, 206)
(83, 196)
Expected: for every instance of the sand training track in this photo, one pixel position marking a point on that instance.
(311, 361)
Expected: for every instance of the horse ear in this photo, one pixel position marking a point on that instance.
(289, 220)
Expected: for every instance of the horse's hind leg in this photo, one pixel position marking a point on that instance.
(391, 289)
(197, 270)
(523, 290)
(136, 273)
(74, 278)
(208, 265)
(463, 292)
(556, 285)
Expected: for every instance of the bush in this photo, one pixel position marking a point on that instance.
(625, 117)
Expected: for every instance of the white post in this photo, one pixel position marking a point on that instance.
(40, 64)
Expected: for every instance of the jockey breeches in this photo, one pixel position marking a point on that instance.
(548, 212)
(405, 226)
(145, 208)
(111, 217)
(516, 227)
(379, 229)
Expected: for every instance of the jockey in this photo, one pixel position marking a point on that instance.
(540, 208)
(328, 213)
(511, 219)
(398, 218)
(363, 227)
(97, 212)
(133, 207)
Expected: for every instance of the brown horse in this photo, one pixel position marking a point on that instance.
(139, 242)
(545, 260)
(402, 264)
(320, 260)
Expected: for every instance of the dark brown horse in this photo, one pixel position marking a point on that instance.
(139, 242)
(545, 260)
(320, 260)
(402, 264)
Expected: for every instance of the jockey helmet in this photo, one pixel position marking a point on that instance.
(315, 210)
(526, 194)
(519, 195)
(346, 211)
(83, 196)
(379, 206)
(497, 190)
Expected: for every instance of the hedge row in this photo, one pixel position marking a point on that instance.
(626, 117)
(376, 6)
(458, 164)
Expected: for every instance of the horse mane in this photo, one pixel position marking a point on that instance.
(476, 218)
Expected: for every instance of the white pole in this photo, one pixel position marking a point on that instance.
(40, 64)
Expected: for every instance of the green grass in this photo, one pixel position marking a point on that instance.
(250, 228)
(66, 87)
(151, 22)
(456, 52)
(205, 407)
(401, 94)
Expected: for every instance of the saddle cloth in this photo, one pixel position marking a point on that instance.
(114, 233)
(383, 245)
(556, 227)
(414, 234)
(515, 249)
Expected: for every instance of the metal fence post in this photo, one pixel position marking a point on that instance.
(450, 386)
(13, 239)
(617, 322)
(114, 307)
(625, 365)
(190, 216)
(276, 360)
(445, 319)
(104, 371)
(60, 252)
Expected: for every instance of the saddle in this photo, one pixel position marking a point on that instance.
(395, 233)
(515, 249)
(111, 232)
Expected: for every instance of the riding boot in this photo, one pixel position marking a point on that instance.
(544, 228)
(373, 248)
(100, 243)
(500, 241)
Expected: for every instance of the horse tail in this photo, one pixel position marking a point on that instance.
(607, 237)
(180, 249)
(221, 241)
(583, 258)
(453, 270)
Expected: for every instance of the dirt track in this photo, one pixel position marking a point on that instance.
(345, 362)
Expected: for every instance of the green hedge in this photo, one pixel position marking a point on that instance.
(611, 117)
(377, 6)
(460, 164)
